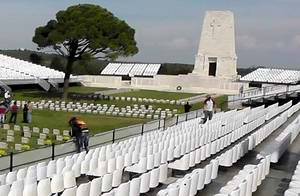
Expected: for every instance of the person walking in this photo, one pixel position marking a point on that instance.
(29, 114)
(7, 99)
(76, 133)
(2, 112)
(80, 132)
(14, 111)
(85, 136)
(209, 106)
(187, 107)
(25, 113)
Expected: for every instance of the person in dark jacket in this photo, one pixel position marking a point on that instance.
(25, 113)
(76, 133)
(80, 132)
(187, 107)
(14, 111)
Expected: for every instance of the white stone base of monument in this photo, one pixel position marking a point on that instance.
(186, 83)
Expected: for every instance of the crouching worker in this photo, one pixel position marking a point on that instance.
(80, 132)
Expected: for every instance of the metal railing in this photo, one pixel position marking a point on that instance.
(265, 91)
(16, 160)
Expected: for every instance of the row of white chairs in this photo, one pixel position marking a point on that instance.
(273, 76)
(82, 164)
(66, 184)
(198, 178)
(192, 182)
(188, 187)
(276, 110)
(294, 186)
(131, 69)
(8, 74)
(111, 68)
(284, 139)
(28, 68)
(248, 179)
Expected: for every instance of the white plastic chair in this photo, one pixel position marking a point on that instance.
(57, 183)
(69, 192)
(21, 174)
(123, 189)
(41, 173)
(117, 178)
(145, 182)
(4, 189)
(96, 186)
(44, 187)
(201, 181)
(154, 178)
(107, 182)
(69, 179)
(185, 184)
(83, 189)
(11, 177)
(51, 169)
(135, 185)
(194, 182)
(30, 190)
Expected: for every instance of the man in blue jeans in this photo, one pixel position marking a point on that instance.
(80, 131)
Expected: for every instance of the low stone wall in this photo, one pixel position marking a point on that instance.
(180, 83)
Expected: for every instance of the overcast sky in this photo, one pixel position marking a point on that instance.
(267, 31)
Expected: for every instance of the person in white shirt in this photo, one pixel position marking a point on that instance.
(209, 107)
(7, 95)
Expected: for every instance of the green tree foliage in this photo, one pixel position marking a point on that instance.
(35, 58)
(57, 63)
(175, 69)
(85, 31)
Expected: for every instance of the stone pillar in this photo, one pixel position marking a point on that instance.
(216, 55)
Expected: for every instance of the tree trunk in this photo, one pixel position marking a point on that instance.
(67, 77)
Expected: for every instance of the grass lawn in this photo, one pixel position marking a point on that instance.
(85, 89)
(156, 94)
(59, 120)
(38, 95)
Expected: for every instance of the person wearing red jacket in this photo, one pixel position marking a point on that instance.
(2, 112)
(14, 112)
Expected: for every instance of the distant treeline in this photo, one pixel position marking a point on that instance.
(94, 67)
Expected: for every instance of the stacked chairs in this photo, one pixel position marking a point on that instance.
(138, 70)
(152, 70)
(248, 179)
(30, 69)
(131, 69)
(279, 76)
(110, 69)
(294, 186)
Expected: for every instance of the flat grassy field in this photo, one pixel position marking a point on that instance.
(38, 95)
(59, 120)
(156, 94)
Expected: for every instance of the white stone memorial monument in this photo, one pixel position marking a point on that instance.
(216, 54)
(215, 68)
